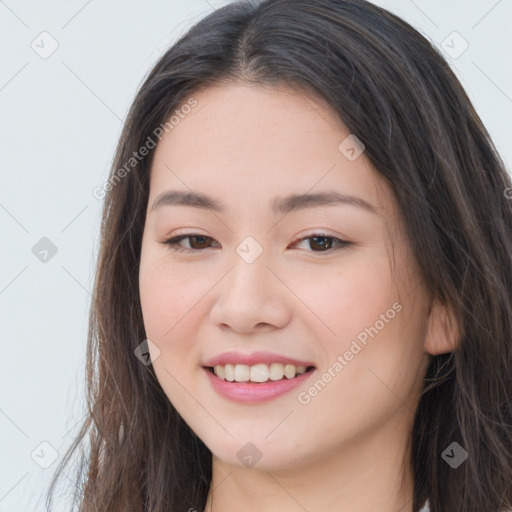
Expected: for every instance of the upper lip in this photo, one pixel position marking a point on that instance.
(253, 358)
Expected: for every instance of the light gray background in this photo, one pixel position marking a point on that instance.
(62, 116)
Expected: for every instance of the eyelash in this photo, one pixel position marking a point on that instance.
(173, 242)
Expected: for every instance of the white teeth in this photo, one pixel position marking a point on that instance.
(220, 372)
(258, 372)
(241, 373)
(229, 371)
(289, 371)
(276, 371)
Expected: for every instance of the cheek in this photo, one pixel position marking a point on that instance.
(162, 307)
(376, 328)
(167, 296)
(171, 314)
(347, 297)
(174, 305)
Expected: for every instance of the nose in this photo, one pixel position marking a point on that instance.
(252, 297)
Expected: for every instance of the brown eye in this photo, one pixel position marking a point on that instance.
(201, 242)
(323, 243)
(318, 243)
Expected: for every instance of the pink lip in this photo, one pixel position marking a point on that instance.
(252, 359)
(250, 392)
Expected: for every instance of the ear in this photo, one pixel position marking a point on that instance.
(443, 334)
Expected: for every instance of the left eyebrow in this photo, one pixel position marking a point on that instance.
(280, 205)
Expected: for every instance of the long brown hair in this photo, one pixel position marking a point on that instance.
(391, 88)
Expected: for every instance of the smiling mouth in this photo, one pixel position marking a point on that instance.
(259, 373)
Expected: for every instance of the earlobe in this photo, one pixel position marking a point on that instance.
(443, 334)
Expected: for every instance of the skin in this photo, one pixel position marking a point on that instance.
(347, 448)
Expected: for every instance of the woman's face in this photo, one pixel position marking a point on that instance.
(267, 274)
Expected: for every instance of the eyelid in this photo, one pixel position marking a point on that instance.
(174, 241)
(318, 232)
(300, 236)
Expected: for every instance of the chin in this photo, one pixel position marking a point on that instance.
(259, 454)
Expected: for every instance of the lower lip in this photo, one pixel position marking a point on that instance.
(249, 392)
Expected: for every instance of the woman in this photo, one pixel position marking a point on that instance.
(303, 294)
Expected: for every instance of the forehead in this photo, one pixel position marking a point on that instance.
(248, 142)
(253, 121)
